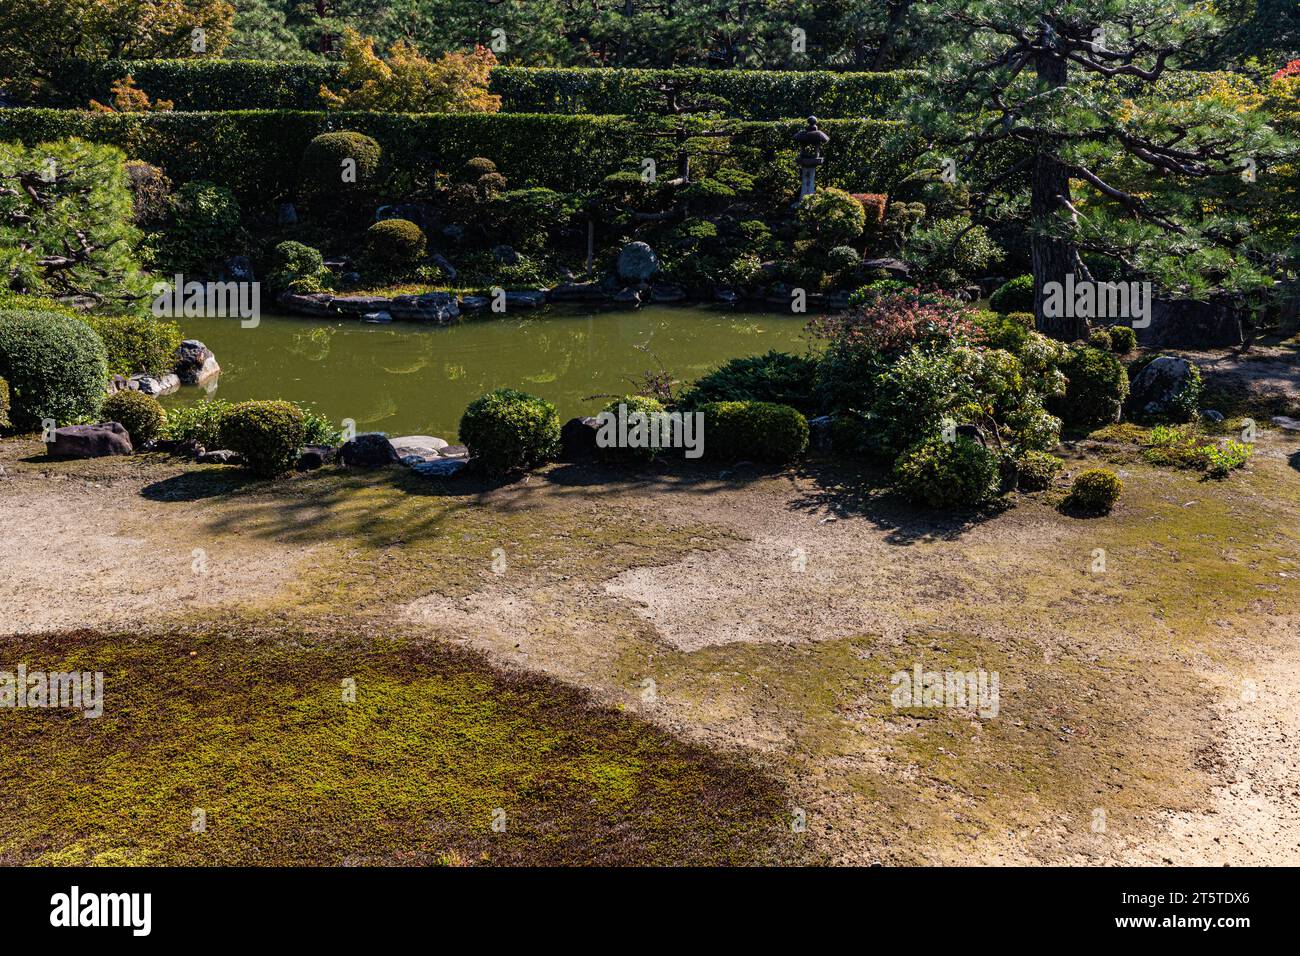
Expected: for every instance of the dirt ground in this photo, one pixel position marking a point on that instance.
(1148, 708)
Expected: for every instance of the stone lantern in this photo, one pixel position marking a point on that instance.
(811, 140)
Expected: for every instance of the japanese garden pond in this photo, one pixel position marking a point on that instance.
(404, 378)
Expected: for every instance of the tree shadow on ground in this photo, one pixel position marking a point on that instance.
(848, 490)
(198, 485)
(1294, 460)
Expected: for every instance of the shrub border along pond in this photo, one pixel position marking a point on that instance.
(206, 84)
(255, 152)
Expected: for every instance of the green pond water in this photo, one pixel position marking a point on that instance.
(404, 378)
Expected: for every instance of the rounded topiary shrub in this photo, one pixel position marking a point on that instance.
(842, 260)
(507, 430)
(479, 166)
(296, 267)
(141, 415)
(831, 217)
(394, 245)
(1096, 386)
(1100, 339)
(1095, 491)
(1035, 470)
(1014, 296)
(947, 474)
(1122, 339)
(758, 431)
(636, 409)
(56, 367)
(267, 435)
(323, 162)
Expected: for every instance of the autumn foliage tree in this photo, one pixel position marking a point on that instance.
(406, 82)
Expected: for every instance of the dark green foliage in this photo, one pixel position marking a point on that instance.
(55, 365)
(246, 151)
(393, 247)
(1123, 339)
(1100, 339)
(4, 403)
(1014, 296)
(199, 423)
(757, 431)
(775, 377)
(297, 267)
(210, 84)
(1004, 331)
(1095, 491)
(140, 414)
(137, 343)
(525, 216)
(205, 229)
(947, 474)
(267, 435)
(1096, 388)
(322, 185)
(1036, 470)
(831, 217)
(508, 430)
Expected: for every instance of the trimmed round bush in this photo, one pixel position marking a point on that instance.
(479, 166)
(775, 377)
(1095, 491)
(842, 259)
(267, 435)
(1036, 470)
(759, 431)
(394, 244)
(1014, 296)
(1100, 339)
(141, 415)
(322, 161)
(4, 404)
(1122, 339)
(1096, 388)
(947, 474)
(56, 367)
(297, 267)
(831, 217)
(634, 405)
(507, 430)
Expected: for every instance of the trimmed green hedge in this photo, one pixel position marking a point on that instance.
(255, 153)
(56, 367)
(203, 84)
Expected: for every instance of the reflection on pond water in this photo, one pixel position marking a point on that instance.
(404, 379)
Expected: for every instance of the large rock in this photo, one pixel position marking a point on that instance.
(1153, 392)
(439, 467)
(440, 308)
(577, 292)
(195, 363)
(418, 447)
(819, 434)
(578, 439)
(505, 255)
(887, 268)
(1185, 324)
(664, 292)
(237, 269)
(311, 457)
(148, 385)
(525, 299)
(443, 263)
(368, 450)
(89, 441)
(637, 263)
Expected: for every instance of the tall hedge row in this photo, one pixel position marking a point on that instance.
(256, 152)
(203, 84)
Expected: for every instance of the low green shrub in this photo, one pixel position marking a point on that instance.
(199, 423)
(634, 405)
(947, 474)
(55, 365)
(775, 377)
(296, 267)
(1221, 459)
(1096, 386)
(831, 217)
(507, 430)
(267, 435)
(1014, 296)
(1100, 339)
(137, 343)
(141, 415)
(1095, 491)
(1003, 330)
(4, 403)
(1036, 470)
(759, 431)
(394, 246)
(1123, 339)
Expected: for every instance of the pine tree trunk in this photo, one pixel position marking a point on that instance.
(1052, 258)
